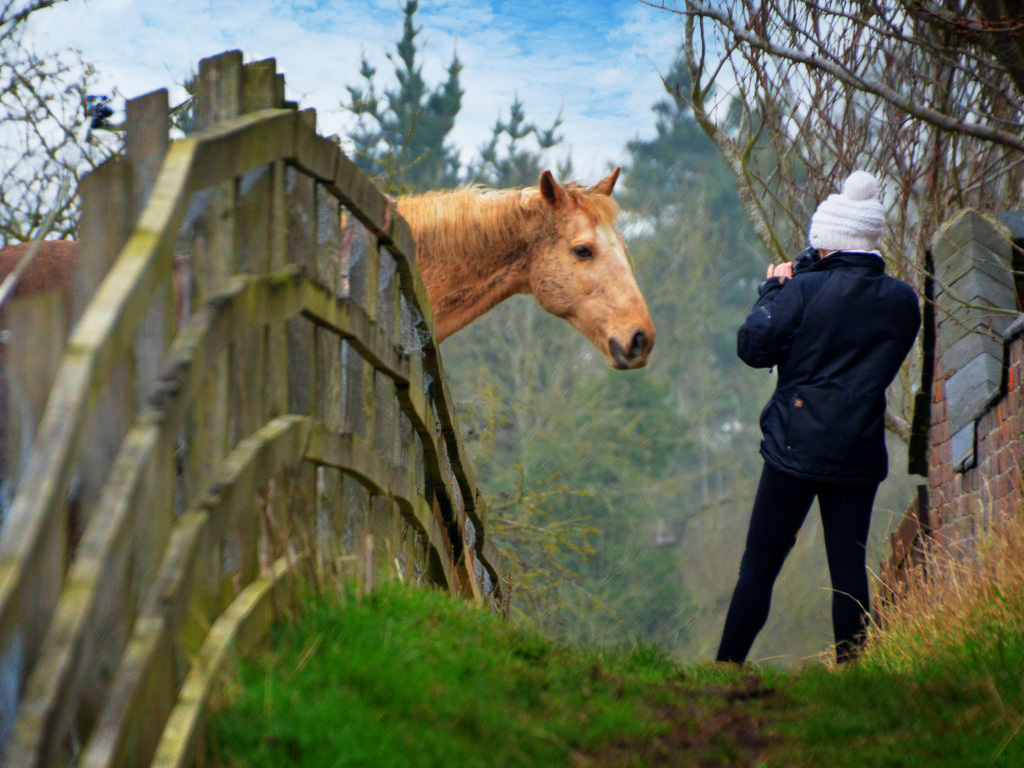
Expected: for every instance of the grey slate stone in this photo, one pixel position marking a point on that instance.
(1014, 329)
(1013, 221)
(962, 445)
(968, 257)
(972, 241)
(975, 285)
(969, 347)
(970, 390)
(967, 320)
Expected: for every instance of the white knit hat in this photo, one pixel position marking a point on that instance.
(851, 220)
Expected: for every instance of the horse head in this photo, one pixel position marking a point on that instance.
(581, 271)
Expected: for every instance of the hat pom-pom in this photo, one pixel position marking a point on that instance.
(861, 185)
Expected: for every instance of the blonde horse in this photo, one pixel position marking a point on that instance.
(476, 248)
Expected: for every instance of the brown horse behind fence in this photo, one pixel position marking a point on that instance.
(52, 269)
(477, 247)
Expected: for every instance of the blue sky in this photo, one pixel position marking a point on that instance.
(597, 62)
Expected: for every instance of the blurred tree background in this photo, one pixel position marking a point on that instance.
(622, 498)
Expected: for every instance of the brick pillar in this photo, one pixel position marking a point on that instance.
(974, 272)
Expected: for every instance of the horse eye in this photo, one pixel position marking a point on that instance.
(583, 252)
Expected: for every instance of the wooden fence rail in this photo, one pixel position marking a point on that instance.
(251, 394)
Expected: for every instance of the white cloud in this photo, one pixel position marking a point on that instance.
(597, 62)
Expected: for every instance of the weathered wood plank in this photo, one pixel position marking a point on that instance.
(330, 521)
(218, 89)
(374, 346)
(214, 260)
(315, 155)
(146, 143)
(109, 561)
(247, 618)
(33, 543)
(247, 356)
(300, 193)
(254, 239)
(107, 196)
(147, 124)
(243, 144)
(276, 362)
(350, 321)
(450, 429)
(360, 195)
(89, 627)
(182, 596)
(344, 318)
(403, 248)
(259, 86)
(36, 325)
(352, 454)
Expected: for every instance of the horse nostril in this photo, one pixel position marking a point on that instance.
(639, 344)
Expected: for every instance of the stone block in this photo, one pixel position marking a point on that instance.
(972, 241)
(975, 285)
(962, 320)
(970, 390)
(1014, 222)
(963, 448)
(968, 347)
(1015, 328)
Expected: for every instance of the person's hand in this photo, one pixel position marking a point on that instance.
(781, 271)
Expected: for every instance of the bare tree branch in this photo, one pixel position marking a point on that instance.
(827, 64)
(796, 94)
(11, 17)
(44, 136)
(738, 159)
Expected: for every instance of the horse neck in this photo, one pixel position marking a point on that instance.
(473, 249)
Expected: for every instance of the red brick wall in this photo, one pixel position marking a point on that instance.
(972, 259)
(959, 503)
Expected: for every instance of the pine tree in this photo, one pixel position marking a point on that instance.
(401, 134)
(505, 161)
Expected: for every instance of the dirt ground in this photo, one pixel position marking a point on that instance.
(707, 727)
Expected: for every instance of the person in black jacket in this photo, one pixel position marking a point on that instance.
(837, 328)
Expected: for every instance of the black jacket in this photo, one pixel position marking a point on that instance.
(838, 332)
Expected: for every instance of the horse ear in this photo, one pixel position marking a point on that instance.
(607, 184)
(554, 194)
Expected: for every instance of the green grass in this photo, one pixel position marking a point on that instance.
(414, 678)
(960, 706)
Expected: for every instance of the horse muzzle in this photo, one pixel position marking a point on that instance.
(635, 354)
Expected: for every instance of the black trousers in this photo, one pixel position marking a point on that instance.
(780, 507)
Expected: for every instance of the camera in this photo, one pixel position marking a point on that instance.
(805, 259)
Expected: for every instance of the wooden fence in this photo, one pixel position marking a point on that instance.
(251, 395)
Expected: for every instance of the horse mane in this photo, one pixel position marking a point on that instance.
(472, 218)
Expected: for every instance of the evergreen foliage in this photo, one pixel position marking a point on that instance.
(505, 162)
(401, 138)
